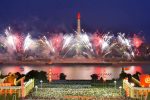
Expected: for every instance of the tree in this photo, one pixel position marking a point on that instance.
(101, 80)
(62, 76)
(36, 75)
(2, 76)
(129, 77)
(43, 76)
(122, 74)
(94, 77)
(136, 75)
(18, 75)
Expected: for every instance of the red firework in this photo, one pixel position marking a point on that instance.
(137, 41)
(19, 43)
(56, 42)
(96, 41)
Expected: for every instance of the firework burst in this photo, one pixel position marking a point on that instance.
(91, 45)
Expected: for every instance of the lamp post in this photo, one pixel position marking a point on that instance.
(115, 82)
(36, 87)
(41, 83)
(120, 87)
(132, 84)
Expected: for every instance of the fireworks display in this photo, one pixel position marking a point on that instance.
(70, 45)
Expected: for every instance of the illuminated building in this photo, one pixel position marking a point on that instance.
(141, 90)
(9, 86)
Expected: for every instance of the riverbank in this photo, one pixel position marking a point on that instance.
(76, 62)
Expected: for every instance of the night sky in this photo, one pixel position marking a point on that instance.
(130, 16)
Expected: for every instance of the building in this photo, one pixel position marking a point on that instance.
(9, 85)
(20, 91)
(136, 90)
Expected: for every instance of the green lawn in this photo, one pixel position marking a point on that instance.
(62, 91)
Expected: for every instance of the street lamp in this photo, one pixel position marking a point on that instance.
(132, 84)
(36, 87)
(115, 82)
(41, 83)
(120, 87)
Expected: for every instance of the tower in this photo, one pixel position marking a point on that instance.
(78, 24)
(78, 35)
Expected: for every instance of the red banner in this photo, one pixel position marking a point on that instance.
(145, 80)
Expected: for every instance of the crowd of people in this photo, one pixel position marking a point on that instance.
(76, 92)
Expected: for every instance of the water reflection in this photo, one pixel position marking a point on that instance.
(76, 72)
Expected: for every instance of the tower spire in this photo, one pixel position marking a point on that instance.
(78, 23)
